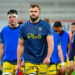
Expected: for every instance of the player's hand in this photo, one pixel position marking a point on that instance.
(72, 65)
(70, 69)
(18, 67)
(46, 60)
(22, 63)
(62, 68)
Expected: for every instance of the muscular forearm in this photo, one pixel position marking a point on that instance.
(1, 51)
(60, 53)
(50, 46)
(50, 50)
(20, 50)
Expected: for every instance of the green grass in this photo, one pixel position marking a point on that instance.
(72, 73)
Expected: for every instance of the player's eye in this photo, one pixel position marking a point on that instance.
(31, 11)
(34, 11)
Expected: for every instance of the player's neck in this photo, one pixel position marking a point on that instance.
(14, 26)
(36, 21)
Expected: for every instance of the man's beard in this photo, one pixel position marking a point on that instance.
(33, 19)
(13, 25)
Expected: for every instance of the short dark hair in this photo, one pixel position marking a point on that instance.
(57, 24)
(73, 23)
(34, 5)
(12, 11)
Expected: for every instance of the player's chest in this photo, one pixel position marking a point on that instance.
(36, 32)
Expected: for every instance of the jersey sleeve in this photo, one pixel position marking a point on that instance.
(21, 33)
(48, 29)
(1, 38)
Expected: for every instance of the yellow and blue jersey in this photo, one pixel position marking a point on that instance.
(35, 44)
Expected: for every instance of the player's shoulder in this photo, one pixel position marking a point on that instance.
(5, 27)
(55, 34)
(24, 24)
(44, 22)
(66, 33)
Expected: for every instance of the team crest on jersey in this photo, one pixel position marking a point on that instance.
(40, 28)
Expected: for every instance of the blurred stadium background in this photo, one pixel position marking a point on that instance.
(63, 10)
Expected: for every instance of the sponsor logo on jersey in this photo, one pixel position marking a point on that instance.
(31, 35)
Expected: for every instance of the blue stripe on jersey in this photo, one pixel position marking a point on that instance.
(34, 36)
(9, 37)
(57, 42)
(65, 39)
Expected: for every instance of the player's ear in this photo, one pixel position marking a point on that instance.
(40, 12)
